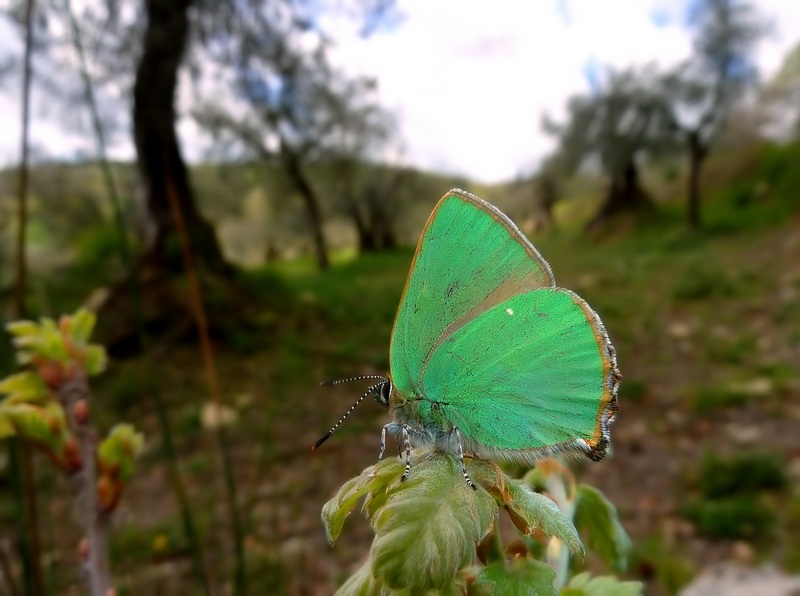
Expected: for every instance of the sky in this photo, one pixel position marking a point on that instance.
(467, 80)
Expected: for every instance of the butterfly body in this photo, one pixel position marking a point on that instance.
(488, 357)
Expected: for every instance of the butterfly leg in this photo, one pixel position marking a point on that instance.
(383, 442)
(394, 429)
(461, 458)
(407, 445)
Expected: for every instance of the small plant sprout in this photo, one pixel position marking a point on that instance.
(49, 404)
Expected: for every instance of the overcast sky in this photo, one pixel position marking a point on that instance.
(468, 79)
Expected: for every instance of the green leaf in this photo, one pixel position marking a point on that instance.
(523, 577)
(363, 583)
(6, 428)
(372, 480)
(96, 360)
(44, 425)
(120, 449)
(597, 519)
(81, 325)
(429, 526)
(24, 387)
(584, 584)
(529, 510)
(52, 347)
(22, 328)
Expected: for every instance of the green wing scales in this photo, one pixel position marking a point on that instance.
(533, 373)
(465, 264)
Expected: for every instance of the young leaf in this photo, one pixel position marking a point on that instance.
(45, 426)
(372, 480)
(523, 576)
(96, 360)
(584, 584)
(529, 510)
(363, 583)
(81, 325)
(596, 517)
(6, 428)
(24, 387)
(429, 527)
(119, 450)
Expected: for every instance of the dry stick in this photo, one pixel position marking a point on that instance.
(30, 538)
(5, 565)
(198, 311)
(74, 398)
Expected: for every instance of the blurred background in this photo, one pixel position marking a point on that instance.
(650, 149)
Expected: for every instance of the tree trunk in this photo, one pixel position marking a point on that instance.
(159, 157)
(379, 224)
(546, 196)
(697, 156)
(625, 194)
(294, 170)
(366, 241)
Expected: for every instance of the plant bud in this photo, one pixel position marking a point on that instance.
(51, 373)
(81, 411)
(83, 549)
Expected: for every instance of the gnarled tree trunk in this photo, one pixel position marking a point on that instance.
(295, 172)
(159, 157)
(625, 194)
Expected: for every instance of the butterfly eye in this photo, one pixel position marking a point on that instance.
(382, 392)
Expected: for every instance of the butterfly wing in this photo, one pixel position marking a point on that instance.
(533, 375)
(469, 259)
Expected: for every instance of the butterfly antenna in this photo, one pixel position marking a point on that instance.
(331, 383)
(369, 390)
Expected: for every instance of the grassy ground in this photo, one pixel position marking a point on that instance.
(706, 459)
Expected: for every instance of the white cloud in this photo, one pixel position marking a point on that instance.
(470, 80)
(471, 83)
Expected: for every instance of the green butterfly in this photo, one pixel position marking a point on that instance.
(488, 356)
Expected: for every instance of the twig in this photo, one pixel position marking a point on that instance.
(30, 539)
(74, 397)
(5, 565)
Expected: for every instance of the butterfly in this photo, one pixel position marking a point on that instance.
(488, 356)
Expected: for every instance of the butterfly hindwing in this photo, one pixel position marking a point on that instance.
(533, 373)
(470, 258)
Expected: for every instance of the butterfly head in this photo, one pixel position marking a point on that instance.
(381, 391)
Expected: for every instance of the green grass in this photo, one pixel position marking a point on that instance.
(732, 496)
(747, 473)
(742, 516)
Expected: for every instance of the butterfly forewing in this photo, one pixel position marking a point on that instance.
(470, 258)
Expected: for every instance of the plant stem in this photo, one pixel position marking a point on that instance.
(5, 566)
(30, 538)
(94, 518)
(198, 311)
(557, 553)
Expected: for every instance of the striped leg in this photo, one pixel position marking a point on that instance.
(383, 442)
(407, 445)
(461, 459)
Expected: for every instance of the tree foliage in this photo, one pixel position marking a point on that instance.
(615, 128)
(290, 105)
(703, 90)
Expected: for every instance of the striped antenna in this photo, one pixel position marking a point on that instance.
(361, 378)
(370, 390)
